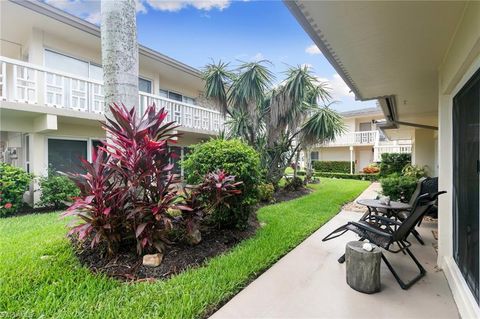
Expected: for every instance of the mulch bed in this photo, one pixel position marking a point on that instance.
(127, 266)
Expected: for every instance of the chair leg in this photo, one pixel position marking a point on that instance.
(406, 285)
(418, 237)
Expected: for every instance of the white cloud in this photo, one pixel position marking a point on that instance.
(173, 6)
(90, 10)
(338, 88)
(313, 49)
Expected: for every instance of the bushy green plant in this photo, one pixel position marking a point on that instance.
(398, 187)
(333, 166)
(394, 163)
(234, 157)
(265, 192)
(14, 182)
(57, 191)
(414, 171)
(293, 184)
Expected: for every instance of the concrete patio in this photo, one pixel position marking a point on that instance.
(310, 283)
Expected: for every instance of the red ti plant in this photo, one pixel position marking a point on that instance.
(212, 197)
(218, 190)
(137, 169)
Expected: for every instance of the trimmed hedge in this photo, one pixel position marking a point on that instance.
(333, 166)
(366, 177)
(394, 163)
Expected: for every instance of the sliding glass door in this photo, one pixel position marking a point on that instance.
(466, 166)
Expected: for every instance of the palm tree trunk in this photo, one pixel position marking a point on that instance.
(119, 52)
(295, 166)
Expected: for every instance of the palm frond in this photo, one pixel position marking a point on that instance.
(250, 86)
(323, 126)
(217, 78)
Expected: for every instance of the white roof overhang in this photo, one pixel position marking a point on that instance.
(388, 50)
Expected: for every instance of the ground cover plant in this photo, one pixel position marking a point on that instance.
(40, 276)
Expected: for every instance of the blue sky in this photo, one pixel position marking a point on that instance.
(195, 32)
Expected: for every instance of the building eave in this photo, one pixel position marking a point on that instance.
(320, 41)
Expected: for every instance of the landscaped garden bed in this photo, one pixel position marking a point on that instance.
(40, 274)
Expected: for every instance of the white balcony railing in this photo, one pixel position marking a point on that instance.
(32, 84)
(355, 138)
(393, 147)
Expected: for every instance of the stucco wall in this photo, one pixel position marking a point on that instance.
(460, 63)
(423, 150)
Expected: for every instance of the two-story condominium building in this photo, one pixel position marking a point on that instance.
(51, 95)
(362, 142)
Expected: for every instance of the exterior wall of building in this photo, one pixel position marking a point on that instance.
(334, 154)
(460, 63)
(423, 150)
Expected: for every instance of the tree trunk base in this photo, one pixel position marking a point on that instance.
(363, 267)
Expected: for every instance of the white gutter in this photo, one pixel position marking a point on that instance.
(85, 26)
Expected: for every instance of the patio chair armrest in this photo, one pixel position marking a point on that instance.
(369, 228)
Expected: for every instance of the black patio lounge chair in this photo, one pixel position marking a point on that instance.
(384, 232)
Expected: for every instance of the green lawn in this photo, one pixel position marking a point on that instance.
(31, 287)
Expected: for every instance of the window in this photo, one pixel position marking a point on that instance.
(144, 85)
(65, 155)
(175, 96)
(314, 156)
(66, 64)
(363, 127)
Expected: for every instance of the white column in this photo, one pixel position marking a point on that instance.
(351, 160)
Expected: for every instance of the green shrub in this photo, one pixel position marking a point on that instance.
(265, 192)
(293, 184)
(333, 166)
(394, 163)
(57, 191)
(414, 171)
(236, 158)
(398, 187)
(366, 177)
(14, 182)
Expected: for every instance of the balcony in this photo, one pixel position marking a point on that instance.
(22, 82)
(355, 139)
(390, 147)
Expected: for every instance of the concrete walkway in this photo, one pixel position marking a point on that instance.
(310, 283)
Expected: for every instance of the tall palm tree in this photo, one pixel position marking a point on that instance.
(119, 52)
(277, 121)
